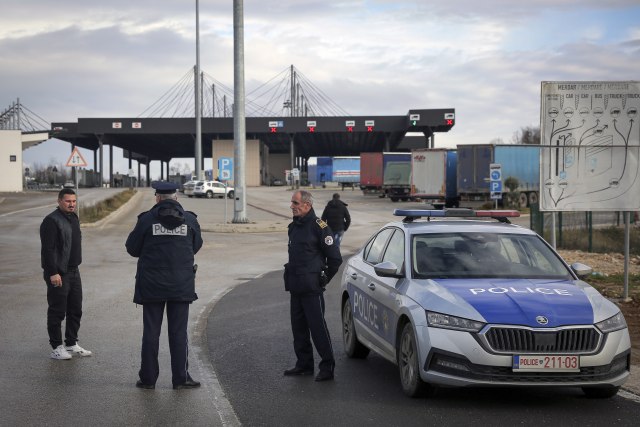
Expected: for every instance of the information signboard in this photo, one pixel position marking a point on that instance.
(590, 136)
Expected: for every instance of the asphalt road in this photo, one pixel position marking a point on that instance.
(239, 325)
(250, 343)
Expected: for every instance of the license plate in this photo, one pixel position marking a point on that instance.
(546, 363)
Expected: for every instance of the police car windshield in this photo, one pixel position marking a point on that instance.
(485, 255)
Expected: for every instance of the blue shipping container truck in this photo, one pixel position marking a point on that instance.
(518, 161)
(346, 171)
(320, 173)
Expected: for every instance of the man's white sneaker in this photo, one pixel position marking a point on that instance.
(76, 350)
(60, 353)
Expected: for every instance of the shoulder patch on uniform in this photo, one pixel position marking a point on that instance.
(321, 223)
(328, 240)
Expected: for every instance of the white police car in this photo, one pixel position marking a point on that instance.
(479, 303)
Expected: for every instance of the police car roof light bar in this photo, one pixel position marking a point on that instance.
(412, 214)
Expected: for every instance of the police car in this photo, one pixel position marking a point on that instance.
(478, 301)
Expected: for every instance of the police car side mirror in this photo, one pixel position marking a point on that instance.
(581, 270)
(387, 269)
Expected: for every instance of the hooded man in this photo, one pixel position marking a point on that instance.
(337, 216)
(165, 240)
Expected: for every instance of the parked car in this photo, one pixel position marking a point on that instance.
(69, 184)
(211, 189)
(188, 188)
(460, 302)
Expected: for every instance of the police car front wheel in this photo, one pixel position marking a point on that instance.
(409, 365)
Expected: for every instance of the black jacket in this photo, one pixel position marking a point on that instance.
(56, 233)
(165, 240)
(311, 251)
(337, 215)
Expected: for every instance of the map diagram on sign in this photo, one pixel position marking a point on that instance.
(590, 136)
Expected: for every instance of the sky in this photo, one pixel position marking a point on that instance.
(75, 59)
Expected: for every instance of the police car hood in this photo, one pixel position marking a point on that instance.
(169, 213)
(517, 301)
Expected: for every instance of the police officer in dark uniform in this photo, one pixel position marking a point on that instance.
(313, 260)
(165, 240)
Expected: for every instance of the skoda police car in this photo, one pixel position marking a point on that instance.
(479, 302)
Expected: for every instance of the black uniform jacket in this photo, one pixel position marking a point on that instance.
(337, 215)
(165, 240)
(311, 250)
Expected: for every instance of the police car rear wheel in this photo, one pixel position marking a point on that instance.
(352, 346)
(408, 364)
(600, 392)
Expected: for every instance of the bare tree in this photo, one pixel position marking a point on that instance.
(528, 135)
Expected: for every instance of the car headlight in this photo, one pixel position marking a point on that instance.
(439, 320)
(613, 323)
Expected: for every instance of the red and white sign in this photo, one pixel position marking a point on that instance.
(76, 159)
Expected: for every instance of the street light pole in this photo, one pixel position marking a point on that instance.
(239, 125)
(198, 151)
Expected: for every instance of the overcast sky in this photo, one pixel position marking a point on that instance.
(85, 58)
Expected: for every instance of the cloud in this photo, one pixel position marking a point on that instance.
(486, 59)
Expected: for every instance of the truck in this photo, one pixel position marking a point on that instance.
(434, 176)
(372, 170)
(396, 182)
(346, 171)
(518, 161)
(320, 172)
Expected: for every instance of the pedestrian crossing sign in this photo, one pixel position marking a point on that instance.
(76, 159)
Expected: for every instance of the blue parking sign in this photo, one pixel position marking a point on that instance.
(496, 186)
(225, 168)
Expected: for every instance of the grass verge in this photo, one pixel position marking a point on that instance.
(94, 213)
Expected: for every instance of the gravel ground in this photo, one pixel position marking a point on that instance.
(613, 263)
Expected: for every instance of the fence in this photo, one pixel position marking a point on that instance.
(587, 231)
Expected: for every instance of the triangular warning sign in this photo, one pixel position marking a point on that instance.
(76, 159)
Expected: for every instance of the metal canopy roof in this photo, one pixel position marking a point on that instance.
(167, 138)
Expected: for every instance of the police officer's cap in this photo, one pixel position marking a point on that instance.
(163, 187)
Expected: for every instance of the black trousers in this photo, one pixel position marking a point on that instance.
(177, 319)
(307, 321)
(64, 301)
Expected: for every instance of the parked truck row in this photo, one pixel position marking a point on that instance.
(441, 177)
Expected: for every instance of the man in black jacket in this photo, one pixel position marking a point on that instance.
(60, 256)
(313, 260)
(165, 240)
(337, 216)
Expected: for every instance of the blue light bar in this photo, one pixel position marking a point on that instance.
(411, 214)
(419, 213)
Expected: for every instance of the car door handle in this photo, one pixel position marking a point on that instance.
(354, 276)
(372, 286)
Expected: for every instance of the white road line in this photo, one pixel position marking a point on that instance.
(28, 209)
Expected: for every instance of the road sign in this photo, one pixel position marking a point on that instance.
(225, 168)
(76, 159)
(496, 196)
(495, 186)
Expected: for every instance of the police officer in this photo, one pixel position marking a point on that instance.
(165, 240)
(313, 260)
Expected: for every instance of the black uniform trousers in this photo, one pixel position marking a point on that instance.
(64, 301)
(307, 316)
(177, 319)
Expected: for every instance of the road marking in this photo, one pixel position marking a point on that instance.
(629, 396)
(28, 209)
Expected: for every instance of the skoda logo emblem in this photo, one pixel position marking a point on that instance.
(542, 320)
